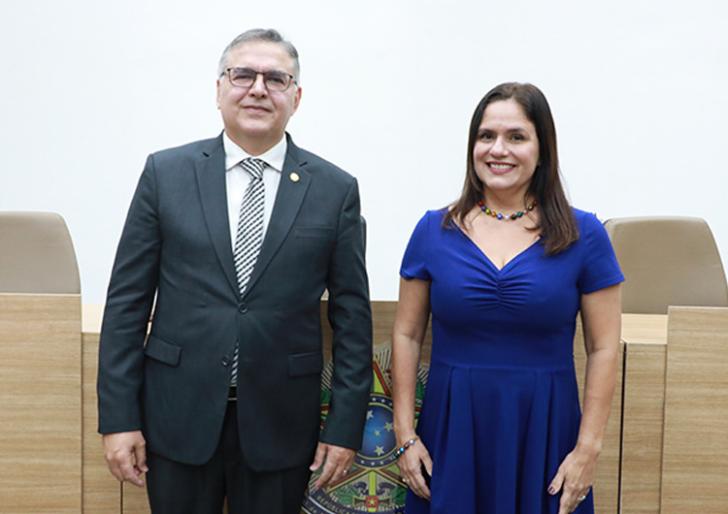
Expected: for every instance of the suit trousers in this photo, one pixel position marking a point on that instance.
(175, 488)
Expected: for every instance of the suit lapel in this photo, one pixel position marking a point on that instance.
(210, 171)
(287, 204)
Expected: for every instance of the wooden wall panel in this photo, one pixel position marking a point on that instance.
(644, 329)
(382, 322)
(48, 415)
(695, 444)
(606, 482)
(101, 491)
(40, 404)
(644, 398)
(134, 500)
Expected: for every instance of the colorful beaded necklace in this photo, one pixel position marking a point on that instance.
(506, 217)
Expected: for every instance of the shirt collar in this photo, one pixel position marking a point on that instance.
(274, 157)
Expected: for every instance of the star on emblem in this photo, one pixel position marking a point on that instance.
(379, 451)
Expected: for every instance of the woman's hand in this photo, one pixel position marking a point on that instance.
(410, 465)
(574, 479)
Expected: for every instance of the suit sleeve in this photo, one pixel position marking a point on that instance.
(351, 320)
(130, 296)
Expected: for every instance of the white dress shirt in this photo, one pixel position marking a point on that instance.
(237, 180)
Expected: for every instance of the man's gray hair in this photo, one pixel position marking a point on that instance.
(269, 35)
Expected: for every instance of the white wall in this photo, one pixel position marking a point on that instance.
(638, 90)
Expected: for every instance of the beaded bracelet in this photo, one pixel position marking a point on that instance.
(399, 451)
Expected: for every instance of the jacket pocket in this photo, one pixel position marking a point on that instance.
(300, 364)
(162, 351)
(314, 231)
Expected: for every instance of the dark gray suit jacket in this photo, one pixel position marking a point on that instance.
(176, 244)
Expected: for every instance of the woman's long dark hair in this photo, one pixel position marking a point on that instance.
(557, 224)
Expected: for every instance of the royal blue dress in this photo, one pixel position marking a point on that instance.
(501, 407)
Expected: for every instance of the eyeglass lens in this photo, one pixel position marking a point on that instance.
(274, 80)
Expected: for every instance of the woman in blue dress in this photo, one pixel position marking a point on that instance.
(504, 271)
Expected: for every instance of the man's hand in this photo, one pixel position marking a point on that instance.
(126, 456)
(336, 461)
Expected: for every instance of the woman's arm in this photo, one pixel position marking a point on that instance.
(410, 324)
(601, 319)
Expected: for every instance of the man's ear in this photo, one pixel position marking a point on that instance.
(297, 98)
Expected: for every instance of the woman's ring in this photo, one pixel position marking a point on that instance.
(581, 498)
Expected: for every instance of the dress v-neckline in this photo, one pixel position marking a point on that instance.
(488, 259)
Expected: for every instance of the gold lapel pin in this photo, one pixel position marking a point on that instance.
(294, 177)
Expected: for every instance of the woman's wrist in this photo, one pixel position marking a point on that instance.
(405, 446)
(405, 436)
(589, 446)
(404, 431)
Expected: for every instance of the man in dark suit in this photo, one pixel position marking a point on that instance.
(238, 237)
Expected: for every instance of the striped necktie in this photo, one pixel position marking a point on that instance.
(249, 236)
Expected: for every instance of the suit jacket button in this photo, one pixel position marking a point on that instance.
(242, 308)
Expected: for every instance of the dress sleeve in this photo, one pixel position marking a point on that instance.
(600, 268)
(415, 261)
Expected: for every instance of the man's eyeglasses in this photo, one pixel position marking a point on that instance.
(274, 80)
